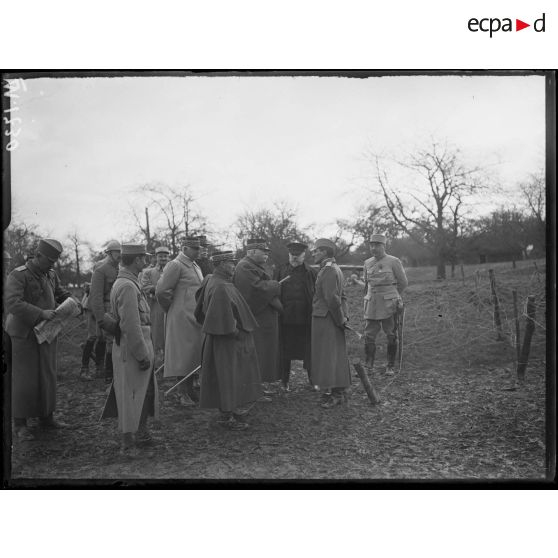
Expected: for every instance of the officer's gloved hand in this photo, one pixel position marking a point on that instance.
(48, 315)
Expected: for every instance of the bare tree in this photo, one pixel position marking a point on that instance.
(76, 243)
(533, 192)
(431, 209)
(277, 225)
(170, 214)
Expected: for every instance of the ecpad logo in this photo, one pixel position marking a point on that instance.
(492, 25)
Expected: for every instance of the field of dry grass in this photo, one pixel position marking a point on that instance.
(453, 412)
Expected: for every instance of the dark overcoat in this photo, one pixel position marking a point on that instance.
(230, 374)
(28, 292)
(297, 293)
(261, 293)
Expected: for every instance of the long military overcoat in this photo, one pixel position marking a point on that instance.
(330, 364)
(102, 280)
(261, 292)
(175, 291)
(148, 282)
(230, 374)
(28, 292)
(130, 384)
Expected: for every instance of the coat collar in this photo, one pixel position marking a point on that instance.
(323, 263)
(123, 273)
(184, 259)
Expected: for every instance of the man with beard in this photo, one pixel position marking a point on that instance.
(204, 261)
(133, 396)
(297, 292)
(330, 364)
(104, 276)
(32, 293)
(148, 281)
(261, 293)
(175, 292)
(230, 375)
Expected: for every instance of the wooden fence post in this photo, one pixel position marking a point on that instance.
(495, 300)
(517, 330)
(526, 348)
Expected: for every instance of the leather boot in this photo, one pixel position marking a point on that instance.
(391, 352)
(370, 352)
(108, 368)
(87, 352)
(100, 357)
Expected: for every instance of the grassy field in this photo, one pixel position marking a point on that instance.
(453, 412)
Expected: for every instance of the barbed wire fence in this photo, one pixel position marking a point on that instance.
(455, 322)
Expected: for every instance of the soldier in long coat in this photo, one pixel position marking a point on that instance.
(384, 281)
(230, 375)
(32, 293)
(297, 291)
(148, 281)
(104, 276)
(261, 293)
(330, 364)
(175, 292)
(133, 396)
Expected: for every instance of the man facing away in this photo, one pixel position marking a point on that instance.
(384, 281)
(261, 293)
(133, 396)
(330, 364)
(32, 292)
(175, 292)
(230, 375)
(297, 291)
(104, 276)
(148, 281)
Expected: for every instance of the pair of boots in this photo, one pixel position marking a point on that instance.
(370, 353)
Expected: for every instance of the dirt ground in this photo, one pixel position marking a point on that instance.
(453, 412)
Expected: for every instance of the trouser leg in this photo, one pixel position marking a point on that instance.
(100, 348)
(108, 366)
(390, 328)
(371, 329)
(87, 352)
(286, 372)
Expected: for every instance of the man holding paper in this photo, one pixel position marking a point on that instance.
(32, 292)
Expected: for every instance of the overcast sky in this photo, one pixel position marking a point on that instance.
(242, 142)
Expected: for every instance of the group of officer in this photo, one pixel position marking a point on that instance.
(233, 324)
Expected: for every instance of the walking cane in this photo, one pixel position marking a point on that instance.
(182, 380)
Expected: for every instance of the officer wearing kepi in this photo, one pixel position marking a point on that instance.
(32, 293)
(297, 291)
(104, 276)
(384, 281)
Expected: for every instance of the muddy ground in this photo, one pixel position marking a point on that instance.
(455, 411)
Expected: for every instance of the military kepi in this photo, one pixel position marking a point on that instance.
(50, 248)
(257, 244)
(380, 238)
(162, 250)
(325, 243)
(296, 248)
(223, 256)
(129, 249)
(192, 242)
